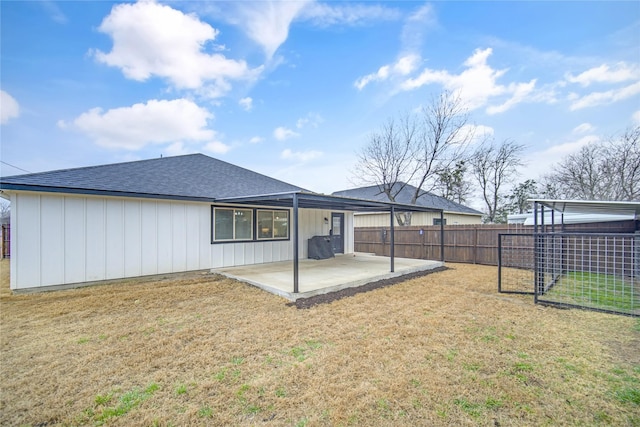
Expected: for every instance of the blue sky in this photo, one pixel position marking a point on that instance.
(292, 89)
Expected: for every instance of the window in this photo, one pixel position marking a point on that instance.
(438, 221)
(232, 224)
(247, 225)
(273, 224)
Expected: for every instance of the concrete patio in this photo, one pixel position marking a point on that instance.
(323, 276)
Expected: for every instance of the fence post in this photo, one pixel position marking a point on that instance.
(499, 262)
(536, 240)
(636, 255)
(475, 244)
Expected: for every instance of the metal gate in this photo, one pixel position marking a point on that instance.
(516, 263)
(595, 271)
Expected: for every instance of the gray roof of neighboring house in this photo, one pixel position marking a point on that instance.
(427, 199)
(189, 177)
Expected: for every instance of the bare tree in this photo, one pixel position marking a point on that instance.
(549, 188)
(5, 211)
(580, 175)
(494, 167)
(621, 163)
(605, 170)
(388, 158)
(444, 138)
(415, 149)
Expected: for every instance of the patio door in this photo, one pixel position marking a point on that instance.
(337, 232)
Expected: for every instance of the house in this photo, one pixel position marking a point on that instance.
(166, 215)
(453, 213)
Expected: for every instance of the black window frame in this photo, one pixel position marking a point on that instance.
(273, 211)
(233, 209)
(254, 225)
(436, 221)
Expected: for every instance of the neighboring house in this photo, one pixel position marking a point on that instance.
(454, 213)
(165, 215)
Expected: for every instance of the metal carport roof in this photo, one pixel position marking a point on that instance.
(590, 206)
(321, 201)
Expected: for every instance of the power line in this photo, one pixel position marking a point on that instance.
(9, 164)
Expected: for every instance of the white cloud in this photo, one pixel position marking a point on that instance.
(558, 151)
(265, 22)
(620, 72)
(150, 39)
(539, 163)
(583, 128)
(336, 13)
(311, 119)
(177, 149)
(155, 122)
(476, 84)
(246, 103)
(404, 66)
(635, 117)
(605, 75)
(9, 108)
(55, 13)
(415, 27)
(476, 133)
(324, 174)
(300, 156)
(603, 98)
(256, 140)
(217, 147)
(282, 133)
(520, 91)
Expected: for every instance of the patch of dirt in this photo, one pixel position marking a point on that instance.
(303, 303)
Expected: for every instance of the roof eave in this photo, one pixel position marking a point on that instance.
(94, 192)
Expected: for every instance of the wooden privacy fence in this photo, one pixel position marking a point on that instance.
(474, 244)
(5, 240)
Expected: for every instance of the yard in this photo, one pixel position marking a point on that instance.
(199, 349)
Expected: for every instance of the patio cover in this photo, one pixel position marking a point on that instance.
(591, 206)
(302, 199)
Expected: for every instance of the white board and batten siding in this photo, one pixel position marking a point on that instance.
(64, 239)
(61, 239)
(417, 218)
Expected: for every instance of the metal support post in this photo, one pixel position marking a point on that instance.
(296, 256)
(392, 238)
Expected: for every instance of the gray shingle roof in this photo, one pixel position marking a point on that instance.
(193, 176)
(426, 199)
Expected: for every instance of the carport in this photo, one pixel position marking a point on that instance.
(301, 199)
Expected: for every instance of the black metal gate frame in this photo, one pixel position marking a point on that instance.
(500, 236)
(539, 286)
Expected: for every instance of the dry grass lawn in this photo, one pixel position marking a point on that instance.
(443, 349)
